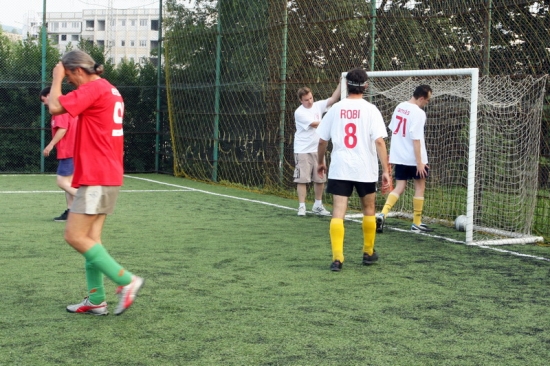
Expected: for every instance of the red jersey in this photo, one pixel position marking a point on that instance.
(99, 144)
(65, 146)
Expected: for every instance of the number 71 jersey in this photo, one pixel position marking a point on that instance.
(353, 125)
(407, 124)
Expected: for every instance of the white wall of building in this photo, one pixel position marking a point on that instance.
(128, 34)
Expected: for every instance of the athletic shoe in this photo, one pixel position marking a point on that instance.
(127, 294)
(422, 228)
(380, 221)
(320, 210)
(301, 211)
(336, 266)
(369, 259)
(86, 307)
(62, 217)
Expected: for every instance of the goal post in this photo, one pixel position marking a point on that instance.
(487, 172)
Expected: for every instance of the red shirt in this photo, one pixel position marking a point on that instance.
(65, 146)
(99, 144)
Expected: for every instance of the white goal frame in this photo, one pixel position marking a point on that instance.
(513, 238)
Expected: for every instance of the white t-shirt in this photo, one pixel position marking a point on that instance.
(407, 124)
(306, 139)
(353, 125)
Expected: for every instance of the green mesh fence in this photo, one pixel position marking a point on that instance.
(25, 126)
(234, 66)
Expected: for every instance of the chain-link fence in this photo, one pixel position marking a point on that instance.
(235, 65)
(125, 42)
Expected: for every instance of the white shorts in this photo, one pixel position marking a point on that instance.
(95, 200)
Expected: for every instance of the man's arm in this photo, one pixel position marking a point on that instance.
(335, 96)
(420, 166)
(321, 150)
(383, 157)
(56, 138)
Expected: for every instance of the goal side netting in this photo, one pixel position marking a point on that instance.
(482, 136)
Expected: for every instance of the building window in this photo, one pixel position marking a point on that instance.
(63, 24)
(143, 22)
(55, 26)
(75, 24)
(89, 25)
(143, 43)
(132, 43)
(100, 25)
(154, 25)
(112, 22)
(123, 22)
(74, 37)
(122, 43)
(133, 22)
(101, 43)
(63, 37)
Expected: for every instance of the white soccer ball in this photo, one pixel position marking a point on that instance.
(460, 223)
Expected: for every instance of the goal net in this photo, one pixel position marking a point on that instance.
(482, 136)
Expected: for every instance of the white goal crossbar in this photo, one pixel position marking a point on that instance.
(473, 73)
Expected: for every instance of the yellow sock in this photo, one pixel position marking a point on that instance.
(390, 201)
(337, 239)
(369, 234)
(418, 205)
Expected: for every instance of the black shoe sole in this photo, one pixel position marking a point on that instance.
(379, 225)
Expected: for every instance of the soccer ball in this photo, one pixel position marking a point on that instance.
(460, 223)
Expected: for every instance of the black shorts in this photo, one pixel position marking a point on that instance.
(407, 172)
(345, 187)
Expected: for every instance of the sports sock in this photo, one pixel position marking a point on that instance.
(390, 201)
(95, 283)
(369, 234)
(318, 203)
(418, 205)
(337, 239)
(101, 260)
(302, 204)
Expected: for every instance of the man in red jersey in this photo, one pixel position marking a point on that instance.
(63, 136)
(98, 175)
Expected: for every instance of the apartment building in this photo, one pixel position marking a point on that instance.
(129, 34)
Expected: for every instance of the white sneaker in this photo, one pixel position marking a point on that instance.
(301, 211)
(422, 228)
(127, 294)
(380, 220)
(320, 210)
(86, 307)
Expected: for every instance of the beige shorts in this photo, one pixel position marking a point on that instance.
(306, 169)
(95, 200)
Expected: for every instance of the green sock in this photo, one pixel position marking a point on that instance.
(96, 287)
(102, 261)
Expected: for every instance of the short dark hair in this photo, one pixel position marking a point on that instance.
(303, 91)
(422, 91)
(45, 91)
(357, 80)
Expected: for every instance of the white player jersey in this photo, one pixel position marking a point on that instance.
(306, 139)
(407, 124)
(353, 125)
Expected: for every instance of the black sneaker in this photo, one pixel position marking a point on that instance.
(370, 259)
(62, 217)
(422, 228)
(380, 220)
(336, 266)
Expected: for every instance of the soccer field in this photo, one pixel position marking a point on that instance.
(236, 278)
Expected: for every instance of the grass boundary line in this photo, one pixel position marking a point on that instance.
(358, 221)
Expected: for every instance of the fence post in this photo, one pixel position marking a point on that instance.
(159, 76)
(43, 34)
(217, 95)
(283, 98)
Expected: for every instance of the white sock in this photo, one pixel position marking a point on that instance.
(318, 203)
(302, 204)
